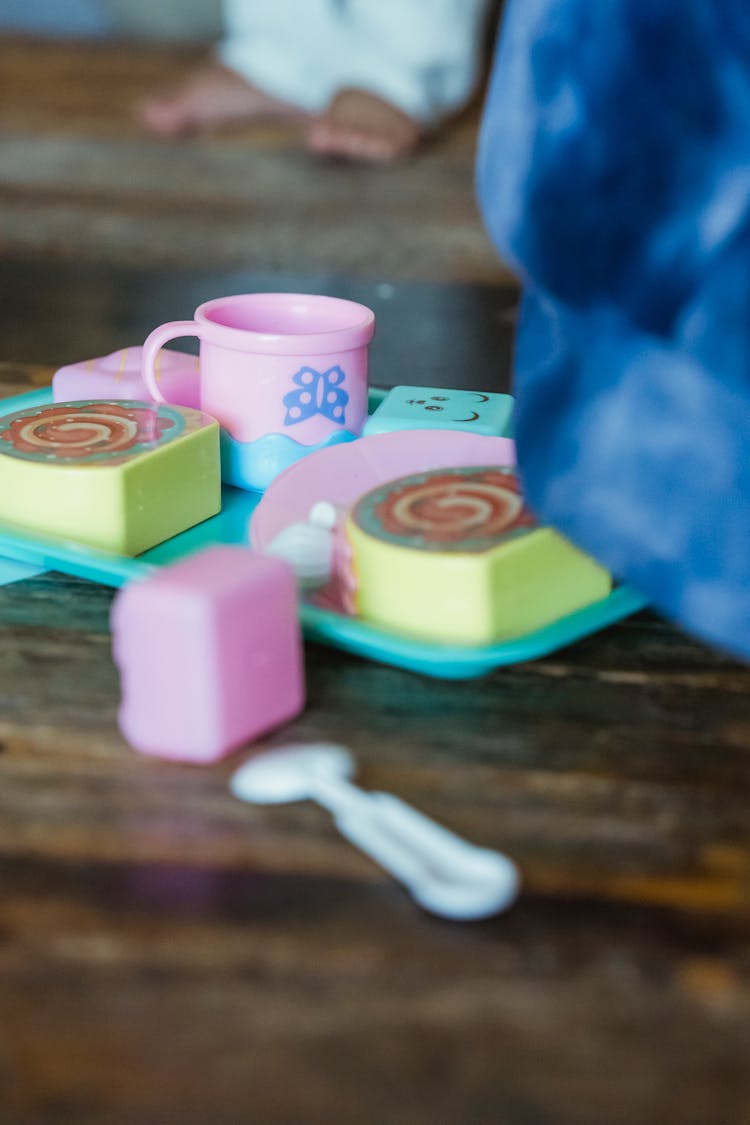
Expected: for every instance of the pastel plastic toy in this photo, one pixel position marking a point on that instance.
(210, 654)
(342, 475)
(445, 874)
(119, 376)
(308, 546)
(284, 373)
(430, 408)
(339, 476)
(12, 571)
(121, 476)
(455, 556)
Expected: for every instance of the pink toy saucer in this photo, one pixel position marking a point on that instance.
(343, 473)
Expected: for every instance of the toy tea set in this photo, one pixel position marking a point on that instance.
(243, 498)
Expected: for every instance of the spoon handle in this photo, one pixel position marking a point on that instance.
(445, 874)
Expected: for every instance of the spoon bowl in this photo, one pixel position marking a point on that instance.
(291, 774)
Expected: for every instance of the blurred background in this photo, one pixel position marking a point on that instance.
(106, 230)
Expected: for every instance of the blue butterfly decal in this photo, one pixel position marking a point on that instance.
(320, 392)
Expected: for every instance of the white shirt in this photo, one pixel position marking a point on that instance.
(421, 55)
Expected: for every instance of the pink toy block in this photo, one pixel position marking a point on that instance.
(119, 376)
(210, 654)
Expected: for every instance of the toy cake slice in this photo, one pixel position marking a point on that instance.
(455, 556)
(117, 475)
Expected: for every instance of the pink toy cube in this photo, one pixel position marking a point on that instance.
(210, 654)
(119, 376)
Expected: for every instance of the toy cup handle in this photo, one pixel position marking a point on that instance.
(153, 345)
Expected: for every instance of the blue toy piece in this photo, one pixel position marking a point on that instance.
(12, 571)
(433, 408)
(254, 464)
(614, 173)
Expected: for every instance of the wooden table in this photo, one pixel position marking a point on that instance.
(169, 955)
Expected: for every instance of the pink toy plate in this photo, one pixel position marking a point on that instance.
(342, 473)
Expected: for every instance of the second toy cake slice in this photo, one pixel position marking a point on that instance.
(455, 556)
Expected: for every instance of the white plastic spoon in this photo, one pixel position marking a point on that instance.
(443, 873)
(308, 547)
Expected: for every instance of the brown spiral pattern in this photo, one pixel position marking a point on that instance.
(452, 507)
(83, 431)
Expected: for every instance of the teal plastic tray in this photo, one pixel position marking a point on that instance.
(231, 525)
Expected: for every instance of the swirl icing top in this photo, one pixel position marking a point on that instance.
(93, 432)
(447, 510)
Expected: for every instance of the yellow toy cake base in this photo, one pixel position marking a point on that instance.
(471, 600)
(496, 578)
(121, 476)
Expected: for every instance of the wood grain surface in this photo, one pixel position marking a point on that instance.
(81, 180)
(168, 955)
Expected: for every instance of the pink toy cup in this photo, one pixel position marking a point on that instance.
(277, 364)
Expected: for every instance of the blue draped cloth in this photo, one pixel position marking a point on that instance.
(614, 175)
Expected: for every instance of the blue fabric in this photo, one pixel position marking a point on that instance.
(614, 173)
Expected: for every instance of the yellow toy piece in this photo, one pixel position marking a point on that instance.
(455, 556)
(118, 475)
